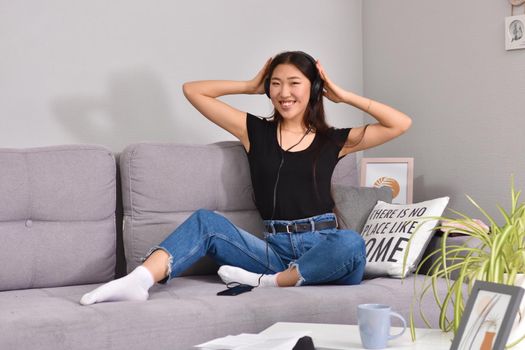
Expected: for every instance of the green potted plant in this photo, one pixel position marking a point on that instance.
(495, 254)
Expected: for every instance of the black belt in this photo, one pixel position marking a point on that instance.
(305, 227)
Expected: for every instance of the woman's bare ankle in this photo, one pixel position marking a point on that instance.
(158, 264)
(288, 277)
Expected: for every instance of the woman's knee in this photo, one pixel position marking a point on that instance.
(203, 214)
(208, 222)
(206, 217)
(350, 241)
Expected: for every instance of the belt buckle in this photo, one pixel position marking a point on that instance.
(288, 228)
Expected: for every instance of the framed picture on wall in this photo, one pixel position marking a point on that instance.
(488, 316)
(396, 173)
(515, 32)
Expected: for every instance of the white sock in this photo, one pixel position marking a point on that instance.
(231, 274)
(134, 286)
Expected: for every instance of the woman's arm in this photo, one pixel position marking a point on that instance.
(203, 95)
(390, 122)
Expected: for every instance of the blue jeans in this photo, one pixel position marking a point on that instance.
(328, 256)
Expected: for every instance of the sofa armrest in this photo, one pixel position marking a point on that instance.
(436, 242)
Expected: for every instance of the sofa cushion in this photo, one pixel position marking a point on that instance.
(57, 226)
(163, 183)
(187, 312)
(354, 204)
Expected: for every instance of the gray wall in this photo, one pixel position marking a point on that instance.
(110, 72)
(444, 63)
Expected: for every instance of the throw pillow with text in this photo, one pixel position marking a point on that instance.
(388, 229)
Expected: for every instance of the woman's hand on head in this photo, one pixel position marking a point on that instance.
(331, 91)
(257, 83)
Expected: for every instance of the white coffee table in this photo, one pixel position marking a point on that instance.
(344, 337)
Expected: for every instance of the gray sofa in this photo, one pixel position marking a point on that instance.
(72, 216)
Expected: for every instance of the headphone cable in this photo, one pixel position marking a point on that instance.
(234, 284)
(275, 189)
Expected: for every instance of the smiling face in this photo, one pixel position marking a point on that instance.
(289, 91)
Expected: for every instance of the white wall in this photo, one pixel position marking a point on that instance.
(444, 63)
(110, 72)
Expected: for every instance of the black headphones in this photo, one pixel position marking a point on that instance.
(317, 84)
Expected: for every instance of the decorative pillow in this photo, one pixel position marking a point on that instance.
(353, 204)
(388, 229)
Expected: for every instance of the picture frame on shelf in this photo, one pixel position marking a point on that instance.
(396, 173)
(488, 316)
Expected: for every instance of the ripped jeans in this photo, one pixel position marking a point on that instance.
(329, 256)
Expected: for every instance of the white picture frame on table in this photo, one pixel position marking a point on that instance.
(396, 173)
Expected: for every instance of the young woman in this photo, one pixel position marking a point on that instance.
(291, 158)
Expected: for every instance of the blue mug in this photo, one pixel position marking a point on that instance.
(374, 325)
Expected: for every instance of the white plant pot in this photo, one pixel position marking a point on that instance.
(518, 330)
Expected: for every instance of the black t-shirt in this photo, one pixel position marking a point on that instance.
(298, 195)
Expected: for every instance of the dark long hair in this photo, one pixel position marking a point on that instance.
(314, 116)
